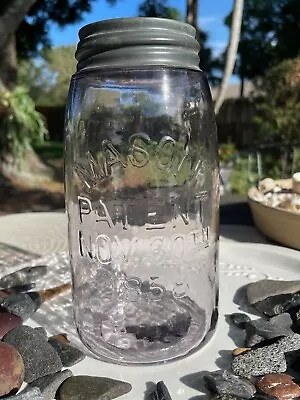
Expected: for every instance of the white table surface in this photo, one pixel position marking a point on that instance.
(46, 233)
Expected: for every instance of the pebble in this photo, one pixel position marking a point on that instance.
(278, 304)
(27, 394)
(92, 388)
(283, 320)
(68, 354)
(8, 322)
(259, 396)
(280, 386)
(18, 289)
(40, 358)
(62, 337)
(266, 360)
(224, 382)
(21, 305)
(240, 319)
(289, 343)
(261, 361)
(258, 330)
(23, 277)
(49, 384)
(225, 397)
(11, 369)
(161, 392)
(240, 350)
(260, 290)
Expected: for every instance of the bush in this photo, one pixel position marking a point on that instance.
(278, 115)
(227, 152)
(21, 125)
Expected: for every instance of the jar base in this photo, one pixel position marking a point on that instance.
(159, 351)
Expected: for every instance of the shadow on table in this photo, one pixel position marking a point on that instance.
(242, 234)
(11, 256)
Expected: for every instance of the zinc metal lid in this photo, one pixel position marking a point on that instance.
(137, 43)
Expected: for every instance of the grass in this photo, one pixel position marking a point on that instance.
(239, 178)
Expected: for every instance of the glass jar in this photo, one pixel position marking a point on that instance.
(142, 192)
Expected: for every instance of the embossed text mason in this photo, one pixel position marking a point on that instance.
(142, 192)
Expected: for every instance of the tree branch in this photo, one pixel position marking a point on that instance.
(235, 33)
(12, 17)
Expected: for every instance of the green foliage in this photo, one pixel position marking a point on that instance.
(158, 9)
(36, 78)
(239, 177)
(49, 150)
(268, 35)
(48, 79)
(278, 115)
(60, 65)
(21, 125)
(227, 152)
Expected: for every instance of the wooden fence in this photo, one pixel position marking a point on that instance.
(234, 122)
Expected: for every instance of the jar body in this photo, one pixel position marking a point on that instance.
(142, 196)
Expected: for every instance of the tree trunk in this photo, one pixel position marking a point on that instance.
(12, 17)
(235, 32)
(192, 13)
(242, 87)
(8, 64)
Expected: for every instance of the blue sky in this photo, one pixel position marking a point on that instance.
(211, 17)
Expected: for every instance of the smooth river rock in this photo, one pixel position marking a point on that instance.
(280, 386)
(11, 369)
(260, 290)
(49, 384)
(40, 358)
(92, 388)
(224, 382)
(8, 322)
(68, 354)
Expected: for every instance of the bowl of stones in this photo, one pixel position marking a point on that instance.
(275, 207)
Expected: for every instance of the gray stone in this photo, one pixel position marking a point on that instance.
(68, 354)
(49, 384)
(240, 319)
(224, 382)
(260, 290)
(27, 394)
(289, 343)
(40, 358)
(161, 392)
(23, 277)
(265, 360)
(278, 304)
(92, 388)
(42, 332)
(260, 329)
(283, 320)
(225, 397)
(19, 304)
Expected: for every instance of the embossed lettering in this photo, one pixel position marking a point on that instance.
(128, 250)
(154, 215)
(103, 249)
(165, 152)
(83, 248)
(112, 156)
(138, 156)
(157, 246)
(103, 214)
(85, 206)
